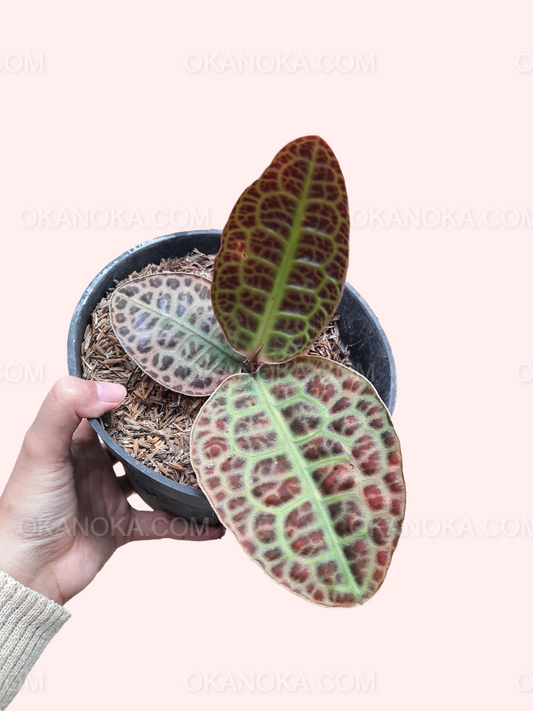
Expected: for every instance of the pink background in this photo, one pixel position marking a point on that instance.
(444, 121)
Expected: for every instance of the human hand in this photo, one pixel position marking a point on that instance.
(64, 512)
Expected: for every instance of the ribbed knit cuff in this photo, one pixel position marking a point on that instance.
(28, 621)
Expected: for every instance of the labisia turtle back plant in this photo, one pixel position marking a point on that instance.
(297, 454)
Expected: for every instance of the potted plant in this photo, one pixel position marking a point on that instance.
(296, 454)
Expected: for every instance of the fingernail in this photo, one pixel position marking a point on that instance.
(110, 392)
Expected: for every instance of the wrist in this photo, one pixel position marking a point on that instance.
(28, 572)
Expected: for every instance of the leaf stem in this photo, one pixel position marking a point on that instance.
(252, 362)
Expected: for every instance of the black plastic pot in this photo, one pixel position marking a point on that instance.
(359, 329)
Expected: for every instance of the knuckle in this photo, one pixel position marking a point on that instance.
(65, 389)
(68, 393)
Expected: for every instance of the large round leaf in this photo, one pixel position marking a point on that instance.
(302, 463)
(282, 264)
(165, 323)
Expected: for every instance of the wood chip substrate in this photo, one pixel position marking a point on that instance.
(153, 424)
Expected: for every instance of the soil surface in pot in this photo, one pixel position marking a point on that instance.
(153, 424)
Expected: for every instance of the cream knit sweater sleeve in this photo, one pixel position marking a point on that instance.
(28, 621)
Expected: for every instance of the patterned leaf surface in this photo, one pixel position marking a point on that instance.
(302, 463)
(165, 323)
(282, 264)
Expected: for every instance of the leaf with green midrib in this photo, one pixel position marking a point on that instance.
(284, 254)
(302, 463)
(165, 323)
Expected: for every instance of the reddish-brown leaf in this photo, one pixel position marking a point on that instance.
(282, 264)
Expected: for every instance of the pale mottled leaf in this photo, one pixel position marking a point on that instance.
(165, 323)
(302, 463)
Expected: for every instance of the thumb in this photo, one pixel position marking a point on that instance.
(68, 402)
